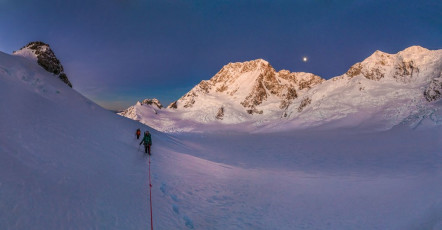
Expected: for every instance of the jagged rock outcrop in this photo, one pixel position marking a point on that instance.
(173, 105)
(153, 101)
(220, 113)
(45, 57)
(306, 101)
(434, 90)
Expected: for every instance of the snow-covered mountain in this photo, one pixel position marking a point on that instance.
(45, 57)
(253, 87)
(382, 91)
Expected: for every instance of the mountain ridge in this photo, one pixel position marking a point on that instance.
(386, 88)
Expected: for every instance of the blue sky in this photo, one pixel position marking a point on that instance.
(119, 51)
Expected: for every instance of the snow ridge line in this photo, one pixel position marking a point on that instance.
(150, 197)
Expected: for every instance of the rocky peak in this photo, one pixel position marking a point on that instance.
(434, 90)
(45, 57)
(153, 101)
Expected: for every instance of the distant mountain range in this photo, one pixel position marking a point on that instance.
(380, 92)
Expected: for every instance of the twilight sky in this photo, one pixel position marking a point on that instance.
(117, 52)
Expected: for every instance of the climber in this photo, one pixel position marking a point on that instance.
(147, 140)
(138, 133)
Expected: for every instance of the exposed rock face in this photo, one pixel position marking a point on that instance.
(173, 105)
(220, 113)
(405, 70)
(434, 91)
(45, 58)
(306, 101)
(153, 101)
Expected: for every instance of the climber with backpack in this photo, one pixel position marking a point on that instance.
(147, 140)
(138, 133)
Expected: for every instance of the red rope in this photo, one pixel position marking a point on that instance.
(150, 195)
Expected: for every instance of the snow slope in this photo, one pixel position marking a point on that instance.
(65, 163)
(379, 93)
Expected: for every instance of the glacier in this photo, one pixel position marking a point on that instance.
(66, 163)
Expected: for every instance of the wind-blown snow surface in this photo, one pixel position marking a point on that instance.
(65, 163)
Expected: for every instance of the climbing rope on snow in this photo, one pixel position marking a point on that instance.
(150, 197)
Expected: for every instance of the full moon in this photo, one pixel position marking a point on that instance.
(304, 59)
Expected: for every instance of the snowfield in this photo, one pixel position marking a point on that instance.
(66, 163)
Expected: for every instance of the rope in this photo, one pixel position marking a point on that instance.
(150, 195)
